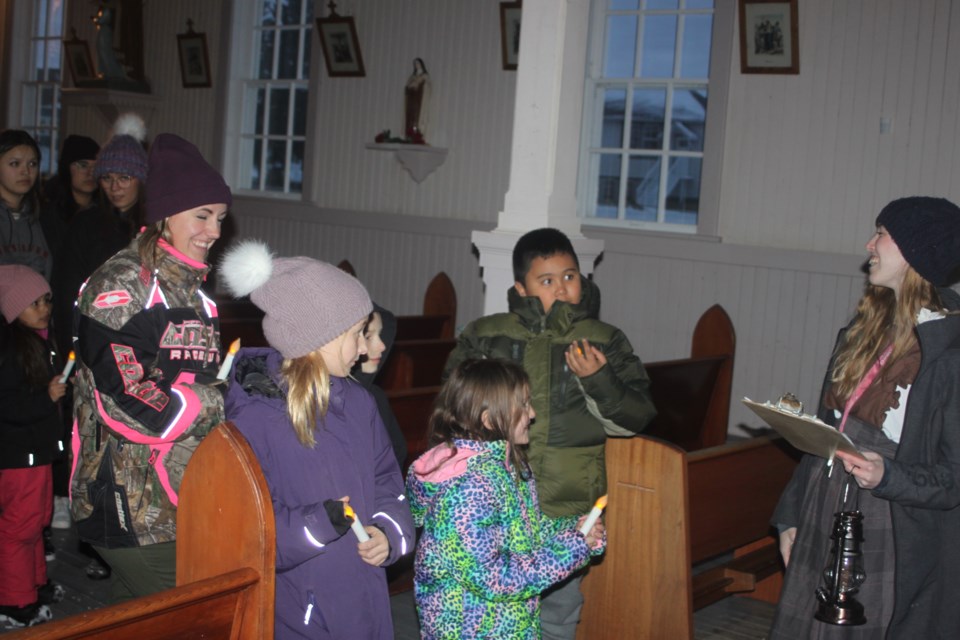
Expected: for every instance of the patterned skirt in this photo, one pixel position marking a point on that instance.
(794, 617)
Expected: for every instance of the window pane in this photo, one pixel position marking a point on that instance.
(279, 111)
(659, 40)
(305, 73)
(646, 121)
(268, 17)
(621, 46)
(688, 121)
(289, 60)
(300, 112)
(643, 188)
(39, 57)
(620, 5)
(699, 4)
(683, 190)
(44, 141)
(291, 11)
(296, 167)
(266, 54)
(695, 59)
(47, 98)
(658, 5)
(255, 163)
(607, 177)
(614, 109)
(276, 164)
(261, 107)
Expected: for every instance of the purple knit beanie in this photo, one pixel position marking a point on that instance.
(180, 179)
(123, 153)
(927, 232)
(20, 287)
(307, 303)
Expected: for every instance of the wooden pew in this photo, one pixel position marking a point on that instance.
(669, 510)
(415, 363)
(692, 395)
(412, 409)
(226, 554)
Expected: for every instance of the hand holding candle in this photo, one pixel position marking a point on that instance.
(594, 514)
(228, 361)
(67, 368)
(357, 527)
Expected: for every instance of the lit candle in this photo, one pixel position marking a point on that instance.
(228, 361)
(67, 368)
(591, 520)
(362, 535)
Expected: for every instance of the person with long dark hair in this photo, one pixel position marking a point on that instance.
(21, 236)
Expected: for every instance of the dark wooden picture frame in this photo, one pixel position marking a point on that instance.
(194, 61)
(81, 66)
(510, 15)
(769, 39)
(341, 47)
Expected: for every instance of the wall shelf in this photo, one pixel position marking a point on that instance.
(419, 160)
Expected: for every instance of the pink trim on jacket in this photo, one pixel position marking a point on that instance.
(437, 465)
(182, 257)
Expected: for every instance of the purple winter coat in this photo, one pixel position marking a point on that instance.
(324, 588)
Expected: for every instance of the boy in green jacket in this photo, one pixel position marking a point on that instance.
(586, 384)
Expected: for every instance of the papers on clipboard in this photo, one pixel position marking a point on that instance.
(804, 431)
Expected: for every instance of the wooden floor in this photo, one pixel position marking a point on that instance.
(730, 619)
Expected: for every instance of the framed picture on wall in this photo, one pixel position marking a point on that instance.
(510, 13)
(80, 62)
(768, 36)
(341, 47)
(194, 62)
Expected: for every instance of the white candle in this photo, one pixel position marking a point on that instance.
(67, 368)
(595, 512)
(358, 530)
(228, 361)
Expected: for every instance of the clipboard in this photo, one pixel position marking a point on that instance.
(803, 431)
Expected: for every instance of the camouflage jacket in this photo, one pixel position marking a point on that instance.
(148, 350)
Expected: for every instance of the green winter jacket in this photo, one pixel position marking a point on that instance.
(574, 416)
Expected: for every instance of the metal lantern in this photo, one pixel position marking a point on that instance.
(844, 574)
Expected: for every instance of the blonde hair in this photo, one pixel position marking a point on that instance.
(308, 394)
(882, 318)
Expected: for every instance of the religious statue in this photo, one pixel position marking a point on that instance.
(416, 103)
(107, 61)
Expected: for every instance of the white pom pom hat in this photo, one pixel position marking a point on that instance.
(307, 303)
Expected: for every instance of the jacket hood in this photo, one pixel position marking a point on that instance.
(389, 335)
(439, 467)
(562, 315)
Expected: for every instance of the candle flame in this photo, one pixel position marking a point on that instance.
(72, 356)
(234, 346)
(349, 512)
(601, 502)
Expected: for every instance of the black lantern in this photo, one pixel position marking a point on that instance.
(844, 574)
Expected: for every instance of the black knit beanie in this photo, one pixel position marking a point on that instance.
(927, 232)
(180, 179)
(76, 148)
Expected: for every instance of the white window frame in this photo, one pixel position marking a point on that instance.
(245, 38)
(717, 87)
(23, 88)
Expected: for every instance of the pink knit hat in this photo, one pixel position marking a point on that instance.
(20, 287)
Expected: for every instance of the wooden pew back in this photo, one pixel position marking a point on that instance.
(226, 554)
(667, 510)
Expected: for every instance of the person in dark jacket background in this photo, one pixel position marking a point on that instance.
(893, 387)
(321, 444)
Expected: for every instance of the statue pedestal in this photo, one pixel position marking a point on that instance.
(92, 112)
(419, 160)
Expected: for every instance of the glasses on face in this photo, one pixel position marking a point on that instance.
(83, 165)
(111, 179)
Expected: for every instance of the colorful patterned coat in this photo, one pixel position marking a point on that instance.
(487, 550)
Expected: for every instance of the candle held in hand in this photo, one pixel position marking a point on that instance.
(67, 368)
(362, 535)
(228, 361)
(595, 512)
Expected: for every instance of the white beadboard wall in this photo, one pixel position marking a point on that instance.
(805, 164)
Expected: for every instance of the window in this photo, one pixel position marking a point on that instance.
(39, 107)
(645, 113)
(273, 124)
